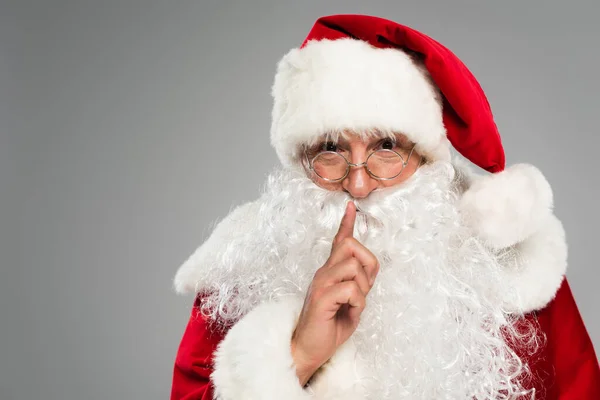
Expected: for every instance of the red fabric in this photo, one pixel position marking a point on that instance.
(467, 115)
(193, 364)
(565, 369)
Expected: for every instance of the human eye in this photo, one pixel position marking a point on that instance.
(322, 147)
(326, 146)
(386, 144)
(329, 146)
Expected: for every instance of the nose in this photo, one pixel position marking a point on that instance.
(359, 184)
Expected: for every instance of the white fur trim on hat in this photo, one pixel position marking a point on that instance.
(332, 86)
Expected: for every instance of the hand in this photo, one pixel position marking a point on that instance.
(334, 301)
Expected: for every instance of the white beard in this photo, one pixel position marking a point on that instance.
(433, 326)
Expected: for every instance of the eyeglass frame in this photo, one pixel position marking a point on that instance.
(350, 165)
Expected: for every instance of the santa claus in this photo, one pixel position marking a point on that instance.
(375, 265)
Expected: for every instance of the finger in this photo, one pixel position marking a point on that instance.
(347, 270)
(346, 292)
(346, 228)
(352, 248)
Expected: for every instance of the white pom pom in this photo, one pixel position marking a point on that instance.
(507, 207)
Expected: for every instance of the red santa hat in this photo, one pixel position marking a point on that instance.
(364, 73)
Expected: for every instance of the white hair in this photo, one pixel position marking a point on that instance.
(433, 326)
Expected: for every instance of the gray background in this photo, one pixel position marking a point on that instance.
(115, 120)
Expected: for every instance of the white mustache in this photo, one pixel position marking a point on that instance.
(392, 203)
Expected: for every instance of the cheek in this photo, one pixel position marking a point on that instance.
(393, 182)
(408, 171)
(333, 186)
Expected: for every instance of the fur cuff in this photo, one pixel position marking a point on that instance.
(507, 207)
(254, 360)
(343, 377)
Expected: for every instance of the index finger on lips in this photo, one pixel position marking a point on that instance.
(346, 228)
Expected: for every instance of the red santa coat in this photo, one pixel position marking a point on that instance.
(566, 368)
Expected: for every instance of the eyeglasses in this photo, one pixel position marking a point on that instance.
(382, 164)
